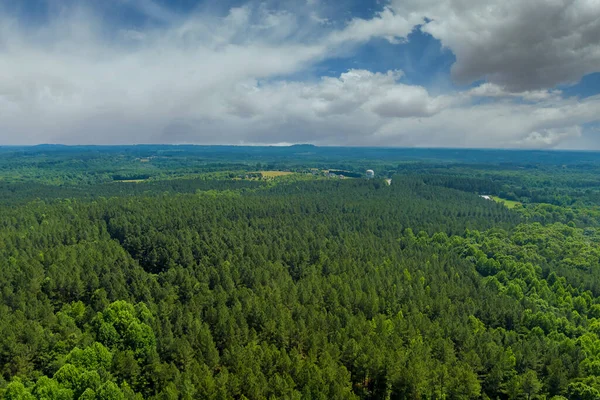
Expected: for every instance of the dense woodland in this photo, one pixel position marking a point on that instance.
(194, 284)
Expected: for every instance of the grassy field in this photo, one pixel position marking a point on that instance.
(131, 180)
(274, 174)
(507, 203)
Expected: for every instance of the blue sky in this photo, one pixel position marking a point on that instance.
(427, 73)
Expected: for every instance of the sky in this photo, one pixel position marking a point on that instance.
(393, 73)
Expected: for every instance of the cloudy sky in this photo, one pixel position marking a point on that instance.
(439, 73)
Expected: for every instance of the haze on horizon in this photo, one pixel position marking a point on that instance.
(397, 73)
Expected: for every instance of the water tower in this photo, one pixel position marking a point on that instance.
(370, 174)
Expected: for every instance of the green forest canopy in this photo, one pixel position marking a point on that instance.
(199, 284)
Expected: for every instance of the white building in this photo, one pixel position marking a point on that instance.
(370, 173)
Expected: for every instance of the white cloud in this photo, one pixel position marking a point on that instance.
(493, 90)
(549, 137)
(387, 24)
(210, 79)
(364, 108)
(523, 45)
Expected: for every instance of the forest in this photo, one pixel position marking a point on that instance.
(196, 272)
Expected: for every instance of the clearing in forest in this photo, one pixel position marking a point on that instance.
(507, 203)
(274, 174)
